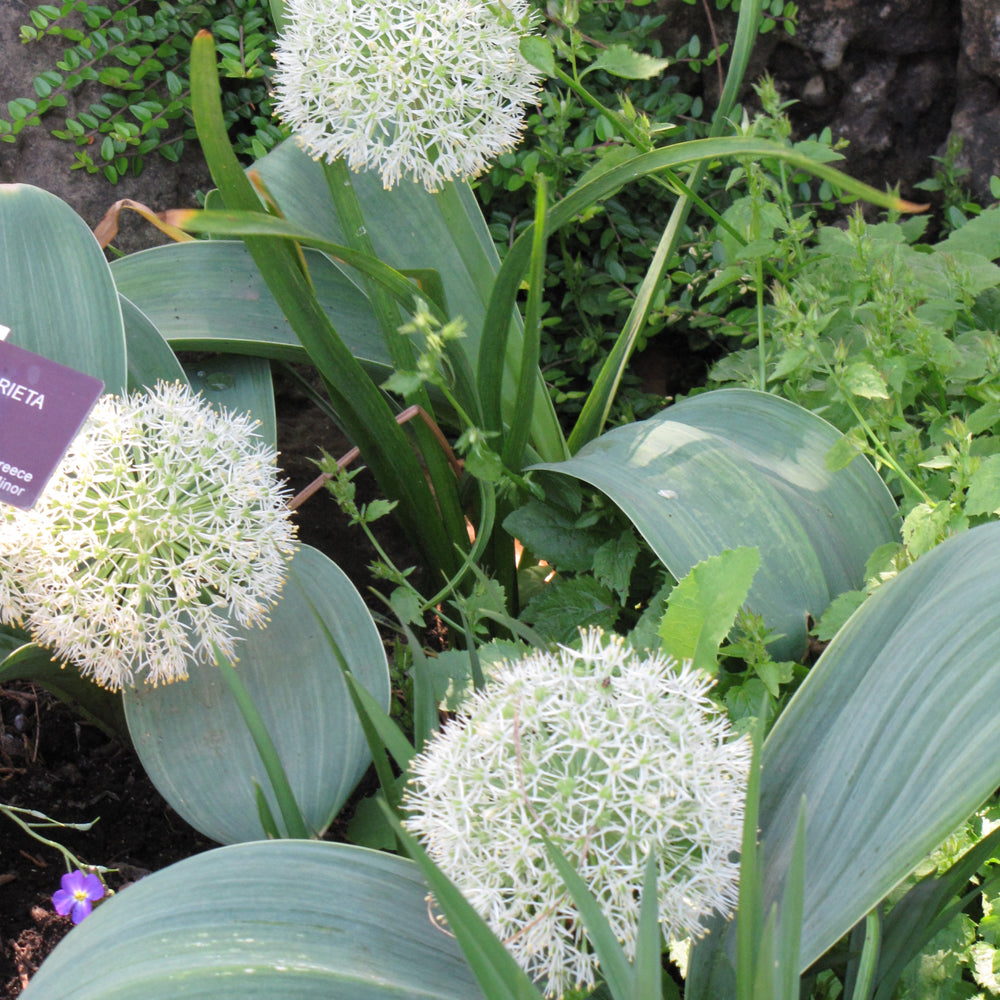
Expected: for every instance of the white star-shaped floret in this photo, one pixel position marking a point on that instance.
(430, 90)
(164, 528)
(611, 755)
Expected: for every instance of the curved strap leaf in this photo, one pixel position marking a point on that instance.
(196, 748)
(302, 919)
(891, 740)
(226, 305)
(150, 359)
(736, 467)
(56, 293)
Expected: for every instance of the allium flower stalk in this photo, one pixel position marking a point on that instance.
(428, 89)
(611, 755)
(163, 529)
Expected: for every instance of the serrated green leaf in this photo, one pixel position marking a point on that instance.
(538, 53)
(861, 379)
(623, 61)
(564, 606)
(703, 606)
(614, 561)
(841, 608)
(924, 527)
(844, 450)
(551, 533)
(983, 496)
(406, 606)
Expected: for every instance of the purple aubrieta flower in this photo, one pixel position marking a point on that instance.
(77, 895)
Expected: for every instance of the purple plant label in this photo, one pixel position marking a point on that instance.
(42, 406)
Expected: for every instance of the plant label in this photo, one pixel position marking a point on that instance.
(42, 406)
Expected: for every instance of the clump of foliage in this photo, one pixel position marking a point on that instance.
(593, 270)
(140, 53)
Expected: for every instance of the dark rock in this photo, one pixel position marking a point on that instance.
(976, 122)
(894, 27)
(981, 37)
(884, 75)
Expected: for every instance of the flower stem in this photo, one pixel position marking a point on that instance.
(14, 813)
(295, 824)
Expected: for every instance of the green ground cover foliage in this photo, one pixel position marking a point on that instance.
(139, 51)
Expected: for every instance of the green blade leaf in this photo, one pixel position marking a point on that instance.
(194, 743)
(363, 410)
(648, 978)
(508, 280)
(313, 921)
(790, 915)
(736, 468)
(227, 306)
(500, 976)
(615, 966)
(928, 907)
(56, 292)
(412, 229)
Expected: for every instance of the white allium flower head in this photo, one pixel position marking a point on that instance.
(427, 89)
(163, 528)
(610, 754)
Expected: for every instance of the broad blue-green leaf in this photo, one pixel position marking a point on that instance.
(891, 739)
(56, 292)
(195, 746)
(276, 919)
(703, 606)
(208, 295)
(239, 384)
(150, 359)
(736, 468)
(413, 229)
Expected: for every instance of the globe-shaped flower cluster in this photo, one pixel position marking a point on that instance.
(428, 89)
(163, 530)
(611, 755)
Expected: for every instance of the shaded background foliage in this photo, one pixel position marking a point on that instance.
(899, 79)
